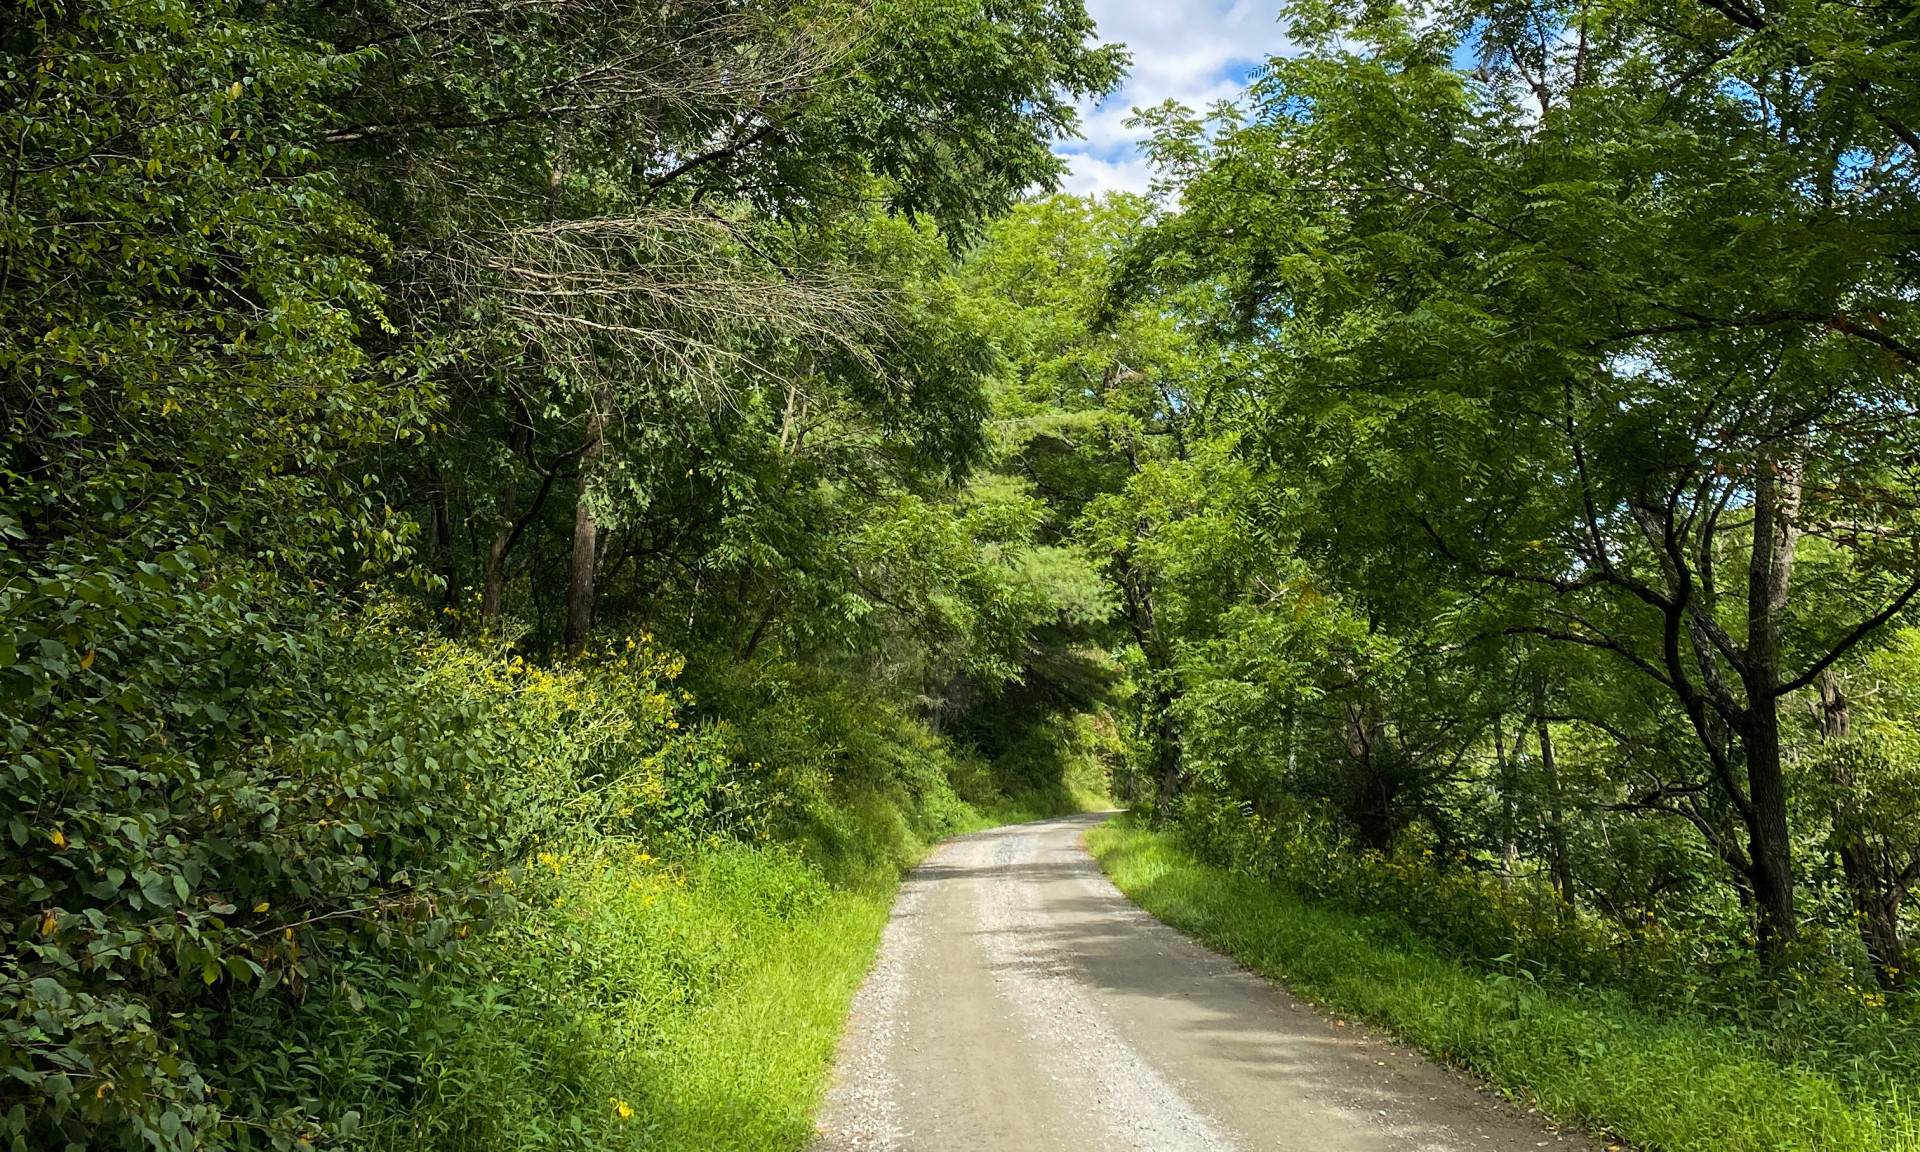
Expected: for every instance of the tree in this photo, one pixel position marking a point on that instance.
(1605, 334)
(277, 277)
(1098, 424)
(596, 207)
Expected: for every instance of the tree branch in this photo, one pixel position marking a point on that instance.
(658, 183)
(1861, 632)
(1606, 643)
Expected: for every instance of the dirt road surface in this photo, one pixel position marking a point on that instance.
(1021, 1004)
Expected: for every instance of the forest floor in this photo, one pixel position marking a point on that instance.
(1021, 1003)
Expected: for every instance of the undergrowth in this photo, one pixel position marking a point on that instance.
(1815, 1006)
(689, 1002)
(1656, 1080)
(681, 989)
(483, 905)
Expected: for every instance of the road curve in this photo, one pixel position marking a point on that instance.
(1019, 1003)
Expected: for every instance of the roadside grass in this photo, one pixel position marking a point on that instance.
(687, 1003)
(1671, 1084)
(637, 1003)
(745, 1070)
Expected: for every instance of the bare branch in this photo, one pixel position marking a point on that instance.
(672, 294)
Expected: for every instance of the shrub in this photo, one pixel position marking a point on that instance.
(324, 820)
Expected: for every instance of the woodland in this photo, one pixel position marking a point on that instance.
(520, 518)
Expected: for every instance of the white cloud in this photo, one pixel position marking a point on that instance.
(1195, 53)
(1090, 174)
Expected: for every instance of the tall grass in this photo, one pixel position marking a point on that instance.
(682, 1004)
(1656, 1081)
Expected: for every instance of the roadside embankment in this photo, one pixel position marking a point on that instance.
(1653, 1082)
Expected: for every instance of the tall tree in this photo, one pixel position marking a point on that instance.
(1606, 332)
(602, 213)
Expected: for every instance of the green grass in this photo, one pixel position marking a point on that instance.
(639, 1003)
(685, 1004)
(746, 1070)
(1669, 1084)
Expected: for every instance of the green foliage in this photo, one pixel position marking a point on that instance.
(1495, 441)
(182, 297)
(205, 794)
(469, 468)
(1550, 368)
(305, 304)
(375, 935)
(196, 903)
(620, 1009)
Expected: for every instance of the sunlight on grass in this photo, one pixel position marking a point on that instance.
(746, 1071)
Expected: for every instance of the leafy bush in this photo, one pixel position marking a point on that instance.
(679, 926)
(1523, 924)
(328, 817)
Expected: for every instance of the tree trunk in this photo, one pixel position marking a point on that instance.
(1509, 850)
(1876, 906)
(586, 536)
(443, 541)
(1374, 792)
(493, 592)
(1769, 839)
(1142, 621)
(1550, 774)
(493, 588)
(1776, 536)
(1166, 751)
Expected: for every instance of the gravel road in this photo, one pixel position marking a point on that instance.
(1021, 1004)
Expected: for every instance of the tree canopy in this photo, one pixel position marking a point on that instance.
(1475, 484)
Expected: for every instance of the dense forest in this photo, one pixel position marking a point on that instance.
(520, 518)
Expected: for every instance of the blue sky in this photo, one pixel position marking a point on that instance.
(1195, 52)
